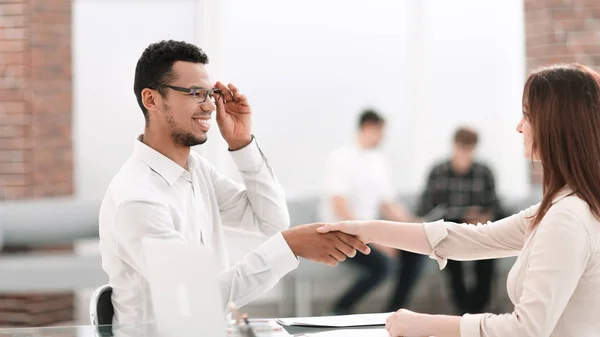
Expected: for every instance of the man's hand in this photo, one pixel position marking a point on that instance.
(234, 117)
(329, 248)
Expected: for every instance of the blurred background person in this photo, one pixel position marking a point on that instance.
(357, 187)
(467, 191)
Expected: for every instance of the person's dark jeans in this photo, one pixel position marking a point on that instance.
(409, 270)
(376, 267)
(471, 300)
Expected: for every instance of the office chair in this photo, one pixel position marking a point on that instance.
(101, 307)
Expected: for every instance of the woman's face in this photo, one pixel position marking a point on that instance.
(524, 127)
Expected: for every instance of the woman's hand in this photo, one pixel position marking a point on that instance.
(398, 235)
(405, 323)
(359, 229)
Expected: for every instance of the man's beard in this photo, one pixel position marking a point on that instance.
(179, 136)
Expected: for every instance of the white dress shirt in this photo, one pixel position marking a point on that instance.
(361, 177)
(555, 281)
(153, 197)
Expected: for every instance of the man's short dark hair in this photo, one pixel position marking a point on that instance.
(466, 136)
(155, 66)
(369, 117)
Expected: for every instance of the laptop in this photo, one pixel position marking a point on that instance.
(184, 289)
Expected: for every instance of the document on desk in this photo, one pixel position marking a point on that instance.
(342, 321)
(351, 333)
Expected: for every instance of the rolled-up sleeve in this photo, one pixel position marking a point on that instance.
(557, 259)
(465, 242)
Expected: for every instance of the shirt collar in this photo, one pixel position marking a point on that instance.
(562, 193)
(165, 167)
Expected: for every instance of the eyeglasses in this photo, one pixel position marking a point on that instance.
(198, 94)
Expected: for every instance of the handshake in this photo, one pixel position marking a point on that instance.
(324, 246)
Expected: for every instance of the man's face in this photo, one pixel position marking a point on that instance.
(372, 133)
(184, 116)
(463, 155)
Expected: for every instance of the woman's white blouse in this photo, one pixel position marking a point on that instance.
(555, 281)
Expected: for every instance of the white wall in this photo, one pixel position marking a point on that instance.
(308, 68)
(429, 66)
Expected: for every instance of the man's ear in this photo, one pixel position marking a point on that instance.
(151, 99)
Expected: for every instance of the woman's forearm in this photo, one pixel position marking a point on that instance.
(443, 325)
(401, 235)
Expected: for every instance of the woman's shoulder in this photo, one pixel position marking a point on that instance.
(571, 206)
(568, 201)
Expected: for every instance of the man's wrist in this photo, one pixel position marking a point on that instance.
(240, 144)
(286, 236)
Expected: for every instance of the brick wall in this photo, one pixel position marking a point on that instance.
(35, 131)
(27, 310)
(561, 31)
(35, 99)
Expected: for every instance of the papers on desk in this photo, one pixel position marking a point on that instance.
(351, 333)
(281, 333)
(261, 327)
(342, 321)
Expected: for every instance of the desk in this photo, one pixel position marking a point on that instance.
(295, 330)
(142, 330)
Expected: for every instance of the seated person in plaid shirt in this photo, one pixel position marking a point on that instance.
(466, 189)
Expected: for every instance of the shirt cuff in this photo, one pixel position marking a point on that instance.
(470, 325)
(278, 255)
(436, 231)
(248, 158)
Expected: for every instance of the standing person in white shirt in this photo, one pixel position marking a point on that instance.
(165, 191)
(357, 186)
(555, 280)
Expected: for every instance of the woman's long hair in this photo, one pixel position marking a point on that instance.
(562, 104)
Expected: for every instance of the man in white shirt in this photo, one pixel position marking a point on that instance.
(358, 187)
(166, 192)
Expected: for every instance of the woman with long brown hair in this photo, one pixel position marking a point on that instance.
(555, 281)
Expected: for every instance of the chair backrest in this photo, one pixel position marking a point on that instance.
(101, 307)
